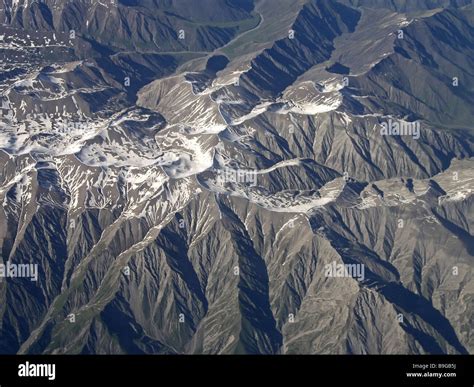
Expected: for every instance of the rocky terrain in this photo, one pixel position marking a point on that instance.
(186, 178)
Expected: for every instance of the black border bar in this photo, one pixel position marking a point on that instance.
(310, 370)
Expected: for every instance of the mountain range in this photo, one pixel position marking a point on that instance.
(237, 176)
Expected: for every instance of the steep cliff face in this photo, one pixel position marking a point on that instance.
(281, 180)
